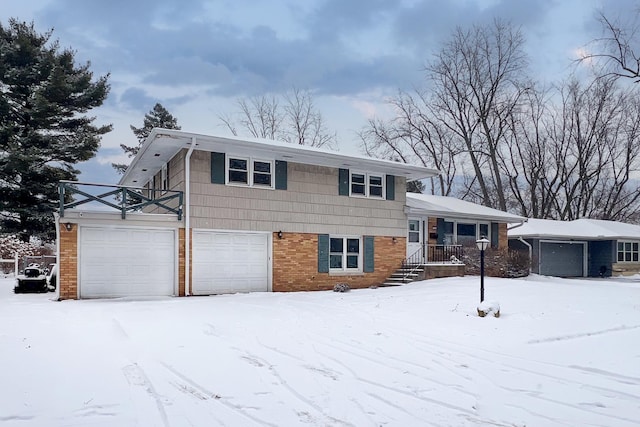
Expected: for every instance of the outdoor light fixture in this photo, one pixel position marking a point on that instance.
(280, 234)
(482, 244)
(68, 226)
(394, 239)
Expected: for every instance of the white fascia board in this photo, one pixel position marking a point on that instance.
(163, 144)
(462, 216)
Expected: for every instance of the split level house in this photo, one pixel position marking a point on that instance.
(259, 216)
(580, 248)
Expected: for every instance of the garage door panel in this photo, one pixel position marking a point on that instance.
(118, 261)
(562, 259)
(226, 262)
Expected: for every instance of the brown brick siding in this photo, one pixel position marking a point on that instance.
(503, 240)
(432, 227)
(68, 259)
(295, 264)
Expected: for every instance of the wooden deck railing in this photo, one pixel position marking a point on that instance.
(120, 198)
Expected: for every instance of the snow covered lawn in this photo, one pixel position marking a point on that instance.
(563, 352)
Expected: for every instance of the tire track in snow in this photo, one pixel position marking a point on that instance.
(293, 391)
(330, 342)
(581, 408)
(136, 376)
(582, 334)
(472, 353)
(389, 388)
(622, 378)
(475, 357)
(204, 391)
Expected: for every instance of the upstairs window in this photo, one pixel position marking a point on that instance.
(238, 171)
(250, 172)
(367, 185)
(376, 186)
(262, 173)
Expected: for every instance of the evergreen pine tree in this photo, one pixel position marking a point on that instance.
(44, 131)
(158, 117)
(415, 187)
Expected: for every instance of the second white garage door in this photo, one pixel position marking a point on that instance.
(228, 262)
(123, 261)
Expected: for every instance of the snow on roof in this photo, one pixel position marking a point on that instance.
(584, 228)
(163, 144)
(451, 207)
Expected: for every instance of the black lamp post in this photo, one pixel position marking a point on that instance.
(482, 244)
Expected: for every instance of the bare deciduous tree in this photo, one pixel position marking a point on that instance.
(414, 137)
(615, 53)
(292, 118)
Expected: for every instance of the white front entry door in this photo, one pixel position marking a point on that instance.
(415, 236)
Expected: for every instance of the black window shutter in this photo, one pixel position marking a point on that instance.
(440, 230)
(391, 187)
(323, 253)
(369, 265)
(217, 168)
(495, 227)
(343, 182)
(281, 175)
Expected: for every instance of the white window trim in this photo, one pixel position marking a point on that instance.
(250, 171)
(344, 269)
(367, 184)
(624, 251)
(477, 224)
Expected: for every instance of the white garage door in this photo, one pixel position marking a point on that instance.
(119, 261)
(228, 262)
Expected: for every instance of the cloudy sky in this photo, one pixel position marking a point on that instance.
(198, 57)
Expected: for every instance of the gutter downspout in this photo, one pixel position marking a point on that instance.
(516, 226)
(187, 219)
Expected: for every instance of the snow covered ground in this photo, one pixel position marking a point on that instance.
(563, 353)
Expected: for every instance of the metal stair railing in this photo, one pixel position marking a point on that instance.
(434, 253)
(412, 263)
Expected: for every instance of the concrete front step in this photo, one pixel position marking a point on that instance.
(403, 276)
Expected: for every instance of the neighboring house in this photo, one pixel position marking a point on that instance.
(440, 227)
(579, 248)
(260, 216)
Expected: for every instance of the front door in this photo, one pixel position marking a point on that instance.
(415, 237)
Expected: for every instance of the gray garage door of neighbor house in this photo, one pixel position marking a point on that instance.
(562, 259)
(126, 261)
(229, 262)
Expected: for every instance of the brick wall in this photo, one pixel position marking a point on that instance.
(68, 258)
(503, 239)
(295, 264)
(432, 227)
